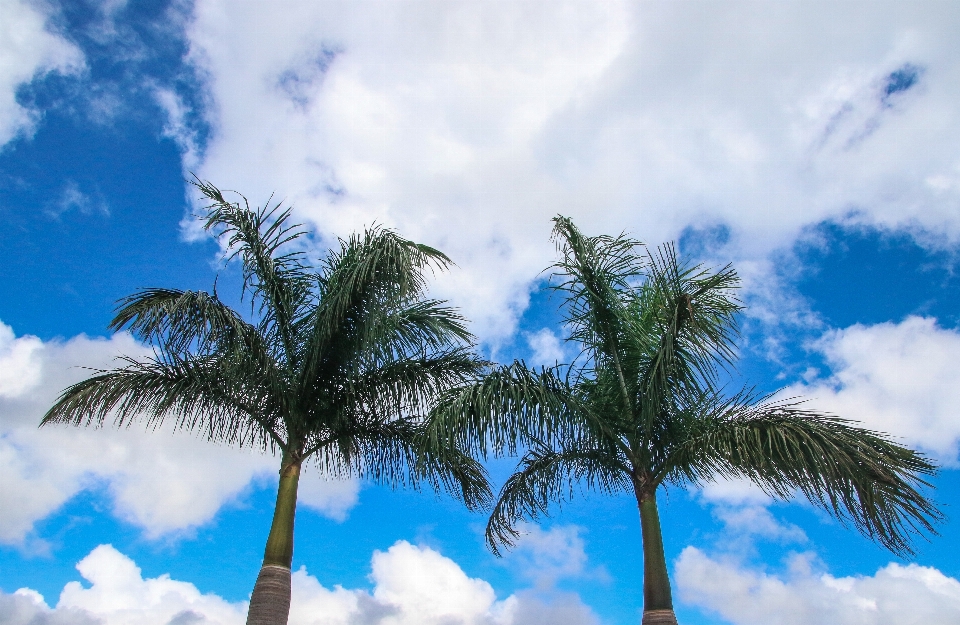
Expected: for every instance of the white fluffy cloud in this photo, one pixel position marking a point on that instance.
(546, 556)
(734, 492)
(411, 586)
(27, 49)
(547, 348)
(743, 509)
(161, 481)
(469, 124)
(751, 521)
(117, 594)
(21, 363)
(899, 378)
(894, 595)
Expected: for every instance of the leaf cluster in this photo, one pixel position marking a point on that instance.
(340, 363)
(642, 405)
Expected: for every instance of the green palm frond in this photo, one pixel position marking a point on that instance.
(396, 453)
(854, 473)
(258, 237)
(415, 325)
(363, 288)
(179, 320)
(275, 273)
(192, 391)
(448, 468)
(685, 317)
(408, 385)
(377, 265)
(595, 272)
(545, 476)
(509, 408)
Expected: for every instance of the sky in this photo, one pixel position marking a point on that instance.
(813, 145)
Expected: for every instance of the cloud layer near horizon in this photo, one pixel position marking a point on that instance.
(418, 585)
(895, 595)
(467, 125)
(411, 586)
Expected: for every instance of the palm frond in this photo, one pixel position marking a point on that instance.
(258, 236)
(411, 331)
(192, 391)
(181, 320)
(379, 262)
(280, 280)
(405, 385)
(417, 325)
(545, 475)
(369, 280)
(398, 454)
(595, 273)
(510, 407)
(856, 474)
(686, 316)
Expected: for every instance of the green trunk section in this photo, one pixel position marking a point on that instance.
(279, 551)
(656, 582)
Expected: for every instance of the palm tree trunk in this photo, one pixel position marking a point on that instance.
(270, 601)
(657, 599)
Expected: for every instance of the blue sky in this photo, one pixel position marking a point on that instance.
(813, 145)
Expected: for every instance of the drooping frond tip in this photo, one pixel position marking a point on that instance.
(550, 476)
(858, 475)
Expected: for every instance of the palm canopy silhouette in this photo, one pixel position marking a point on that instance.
(340, 365)
(641, 407)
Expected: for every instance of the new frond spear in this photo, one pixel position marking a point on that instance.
(341, 365)
(640, 408)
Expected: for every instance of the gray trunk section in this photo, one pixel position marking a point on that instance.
(270, 602)
(659, 617)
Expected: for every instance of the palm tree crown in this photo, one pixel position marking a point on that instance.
(340, 365)
(641, 407)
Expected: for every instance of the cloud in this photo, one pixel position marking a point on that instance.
(421, 116)
(159, 480)
(557, 608)
(545, 556)
(411, 586)
(19, 362)
(547, 347)
(757, 521)
(743, 509)
(894, 595)
(119, 594)
(468, 125)
(176, 127)
(421, 586)
(734, 492)
(899, 378)
(27, 607)
(72, 198)
(28, 49)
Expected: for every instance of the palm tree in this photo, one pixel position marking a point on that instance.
(340, 366)
(641, 408)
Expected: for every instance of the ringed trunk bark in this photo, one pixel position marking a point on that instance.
(270, 601)
(657, 598)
